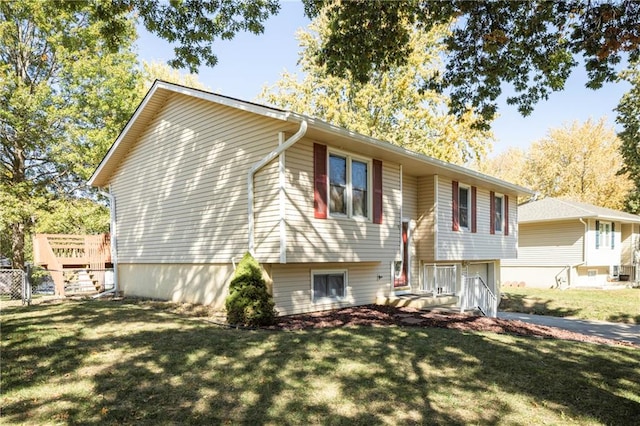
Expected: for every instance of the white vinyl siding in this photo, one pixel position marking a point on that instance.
(629, 237)
(337, 239)
(266, 212)
(426, 217)
(292, 286)
(181, 191)
(481, 245)
(410, 212)
(604, 255)
(549, 244)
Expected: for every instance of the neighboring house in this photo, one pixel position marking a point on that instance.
(334, 217)
(567, 243)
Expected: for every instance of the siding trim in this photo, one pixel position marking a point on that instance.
(455, 224)
(282, 197)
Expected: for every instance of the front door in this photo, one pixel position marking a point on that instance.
(401, 278)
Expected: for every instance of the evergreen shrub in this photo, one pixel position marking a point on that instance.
(249, 303)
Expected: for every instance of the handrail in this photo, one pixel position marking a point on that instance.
(484, 299)
(557, 277)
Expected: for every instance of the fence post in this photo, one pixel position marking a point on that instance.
(26, 285)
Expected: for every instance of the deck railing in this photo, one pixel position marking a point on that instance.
(59, 252)
(439, 280)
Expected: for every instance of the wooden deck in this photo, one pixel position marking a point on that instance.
(60, 253)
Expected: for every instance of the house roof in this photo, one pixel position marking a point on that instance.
(412, 162)
(554, 209)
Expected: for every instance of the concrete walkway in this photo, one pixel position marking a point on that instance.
(607, 330)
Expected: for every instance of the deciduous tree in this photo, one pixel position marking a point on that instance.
(391, 106)
(508, 165)
(580, 162)
(629, 117)
(531, 45)
(64, 95)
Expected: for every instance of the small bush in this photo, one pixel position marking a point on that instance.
(249, 303)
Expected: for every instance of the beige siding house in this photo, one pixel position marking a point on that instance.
(566, 243)
(335, 218)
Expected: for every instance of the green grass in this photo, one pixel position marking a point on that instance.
(608, 305)
(105, 362)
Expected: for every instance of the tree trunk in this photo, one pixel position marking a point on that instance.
(17, 245)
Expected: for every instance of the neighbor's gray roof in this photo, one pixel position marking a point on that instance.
(549, 209)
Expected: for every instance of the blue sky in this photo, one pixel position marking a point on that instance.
(249, 62)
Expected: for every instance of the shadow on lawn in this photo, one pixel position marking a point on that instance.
(180, 370)
(530, 305)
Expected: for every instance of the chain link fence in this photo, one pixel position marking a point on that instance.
(15, 284)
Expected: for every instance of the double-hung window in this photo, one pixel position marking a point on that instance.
(464, 207)
(605, 234)
(349, 183)
(498, 213)
(328, 285)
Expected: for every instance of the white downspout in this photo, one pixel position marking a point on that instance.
(113, 242)
(585, 243)
(257, 166)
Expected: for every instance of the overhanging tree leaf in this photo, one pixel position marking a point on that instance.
(531, 45)
(392, 106)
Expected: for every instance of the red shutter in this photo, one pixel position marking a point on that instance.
(320, 181)
(492, 212)
(377, 191)
(474, 194)
(454, 205)
(506, 215)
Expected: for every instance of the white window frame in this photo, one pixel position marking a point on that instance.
(349, 185)
(495, 228)
(462, 186)
(315, 272)
(604, 242)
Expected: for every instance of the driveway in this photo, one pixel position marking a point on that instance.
(607, 330)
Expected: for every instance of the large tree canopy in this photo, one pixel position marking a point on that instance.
(579, 161)
(191, 25)
(531, 45)
(392, 106)
(629, 117)
(63, 97)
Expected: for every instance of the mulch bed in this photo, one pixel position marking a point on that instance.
(380, 316)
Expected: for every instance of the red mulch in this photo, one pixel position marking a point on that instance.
(380, 316)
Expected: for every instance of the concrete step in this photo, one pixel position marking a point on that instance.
(418, 301)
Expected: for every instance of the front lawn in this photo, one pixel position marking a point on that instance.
(621, 305)
(141, 363)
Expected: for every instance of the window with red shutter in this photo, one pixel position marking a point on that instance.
(506, 215)
(320, 180)
(377, 191)
(474, 196)
(492, 212)
(454, 206)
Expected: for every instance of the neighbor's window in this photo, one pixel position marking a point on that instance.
(604, 235)
(328, 284)
(348, 186)
(498, 205)
(464, 206)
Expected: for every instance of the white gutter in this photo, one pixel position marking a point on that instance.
(260, 164)
(113, 242)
